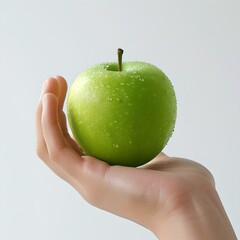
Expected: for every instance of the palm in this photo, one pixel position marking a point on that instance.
(164, 179)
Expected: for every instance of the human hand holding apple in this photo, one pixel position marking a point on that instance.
(122, 113)
(165, 194)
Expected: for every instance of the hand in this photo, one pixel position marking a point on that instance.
(173, 197)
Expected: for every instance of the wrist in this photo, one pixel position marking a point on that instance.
(200, 215)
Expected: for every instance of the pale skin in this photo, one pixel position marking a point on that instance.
(175, 198)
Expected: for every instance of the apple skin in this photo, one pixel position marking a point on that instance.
(122, 117)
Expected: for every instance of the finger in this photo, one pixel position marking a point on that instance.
(41, 144)
(50, 85)
(62, 84)
(41, 147)
(58, 149)
(62, 117)
(50, 124)
(62, 91)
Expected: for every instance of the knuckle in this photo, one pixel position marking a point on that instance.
(56, 154)
(41, 152)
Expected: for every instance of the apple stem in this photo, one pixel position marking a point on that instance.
(120, 53)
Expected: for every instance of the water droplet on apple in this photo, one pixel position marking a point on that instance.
(129, 104)
(121, 83)
(109, 98)
(115, 145)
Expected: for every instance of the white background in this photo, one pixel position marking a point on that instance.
(196, 43)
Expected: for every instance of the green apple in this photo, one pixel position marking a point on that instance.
(122, 113)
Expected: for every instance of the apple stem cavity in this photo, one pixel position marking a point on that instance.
(120, 53)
